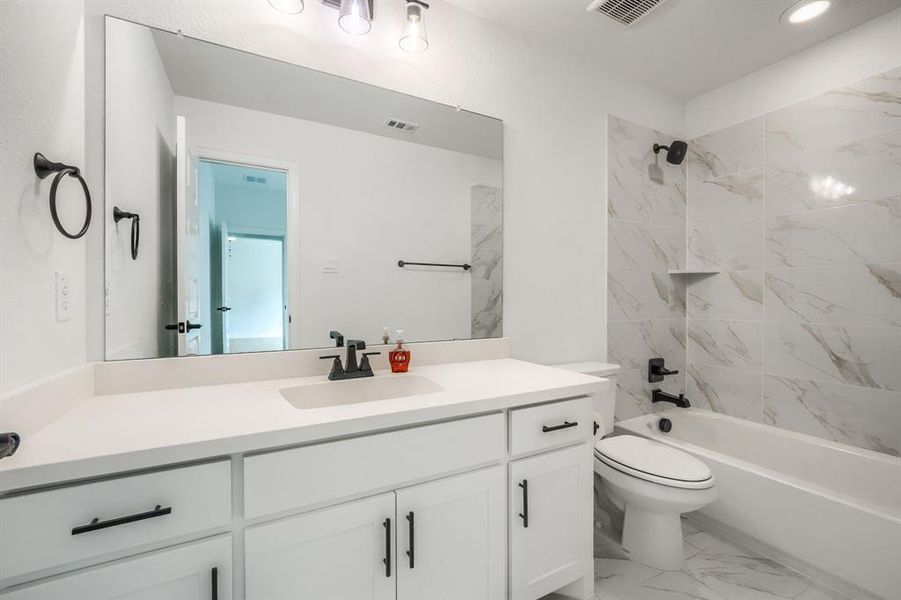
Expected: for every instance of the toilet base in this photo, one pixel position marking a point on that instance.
(653, 538)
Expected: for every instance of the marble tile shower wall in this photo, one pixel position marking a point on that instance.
(800, 210)
(646, 238)
(487, 237)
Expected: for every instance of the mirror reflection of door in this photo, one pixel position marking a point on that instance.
(188, 245)
(243, 215)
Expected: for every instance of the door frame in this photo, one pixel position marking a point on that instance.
(292, 230)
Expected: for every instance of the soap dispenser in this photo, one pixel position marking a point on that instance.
(400, 356)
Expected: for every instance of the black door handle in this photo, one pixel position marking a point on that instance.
(98, 524)
(179, 327)
(214, 583)
(565, 425)
(223, 308)
(525, 503)
(387, 559)
(189, 326)
(411, 551)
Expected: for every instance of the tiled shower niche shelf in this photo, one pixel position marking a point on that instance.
(692, 272)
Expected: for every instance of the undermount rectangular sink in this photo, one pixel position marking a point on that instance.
(356, 391)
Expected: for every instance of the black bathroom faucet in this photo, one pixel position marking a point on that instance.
(352, 370)
(660, 396)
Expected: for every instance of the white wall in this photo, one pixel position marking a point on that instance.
(353, 211)
(42, 90)
(871, 48)
(140, 179)
(554, 109)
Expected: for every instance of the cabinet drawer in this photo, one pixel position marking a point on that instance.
(291, 479)
(201, 570)
(550, 425)
(56, 527)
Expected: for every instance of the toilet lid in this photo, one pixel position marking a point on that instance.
(652, 461)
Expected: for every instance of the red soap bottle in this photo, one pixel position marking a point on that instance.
(400, 356)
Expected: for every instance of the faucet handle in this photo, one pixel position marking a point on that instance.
(364, 362)
(337, 367)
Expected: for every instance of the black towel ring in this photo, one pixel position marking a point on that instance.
(118, 215)
(44, 167)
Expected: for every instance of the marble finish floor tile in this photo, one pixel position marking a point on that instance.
(715, 569)
(673, 586)
(613, 578)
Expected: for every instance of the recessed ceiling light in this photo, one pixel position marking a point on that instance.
(805, 10)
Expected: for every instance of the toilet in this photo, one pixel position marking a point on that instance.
(651, 483)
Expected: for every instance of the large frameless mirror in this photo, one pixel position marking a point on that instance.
(256, 205)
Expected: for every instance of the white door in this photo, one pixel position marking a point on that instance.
(551, 504)
(225, 307)
(187, 211)
(199, 571)
(340, 553)
(452, 538)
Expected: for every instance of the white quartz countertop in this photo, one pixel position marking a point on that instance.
(126, 432)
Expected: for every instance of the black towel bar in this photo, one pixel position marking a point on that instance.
(403, 263)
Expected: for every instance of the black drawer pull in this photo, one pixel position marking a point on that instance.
(565, 425)
(411, 552)
(98, 524)
(214, 583)
(525, 503)
(387, 559)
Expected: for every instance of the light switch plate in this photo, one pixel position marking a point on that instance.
(63, 296)
(330, 265)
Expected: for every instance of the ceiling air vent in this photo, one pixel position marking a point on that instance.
(399, 125)
(625, 12)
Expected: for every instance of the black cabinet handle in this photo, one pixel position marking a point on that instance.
(189, 326)
(387, 559)
(411, 551)
(98, 524)
(525, 503)
(565, 425)
(179, 327)
(223, 308)
(214, 583)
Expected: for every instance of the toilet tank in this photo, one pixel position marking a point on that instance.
(604, 402)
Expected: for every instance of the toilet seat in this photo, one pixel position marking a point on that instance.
(653, 462)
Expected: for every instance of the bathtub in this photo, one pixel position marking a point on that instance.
(827, 509)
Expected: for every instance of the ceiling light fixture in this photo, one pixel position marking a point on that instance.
(289, 7)
(805, 10)
(414, 38)
(355, 17)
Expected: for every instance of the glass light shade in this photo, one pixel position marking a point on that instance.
(414, 38)
(805, 10)
(354, 16)
(289, 7)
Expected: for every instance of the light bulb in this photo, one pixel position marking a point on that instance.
(354, 16)
(805, 10)
(414, 38)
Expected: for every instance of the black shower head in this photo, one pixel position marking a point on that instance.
(675, 152)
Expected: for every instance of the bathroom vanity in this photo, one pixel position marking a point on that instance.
(474, 481)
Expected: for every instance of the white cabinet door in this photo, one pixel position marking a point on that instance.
(550, 521)
(198, 571)
(344, 552)
(451, 538)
